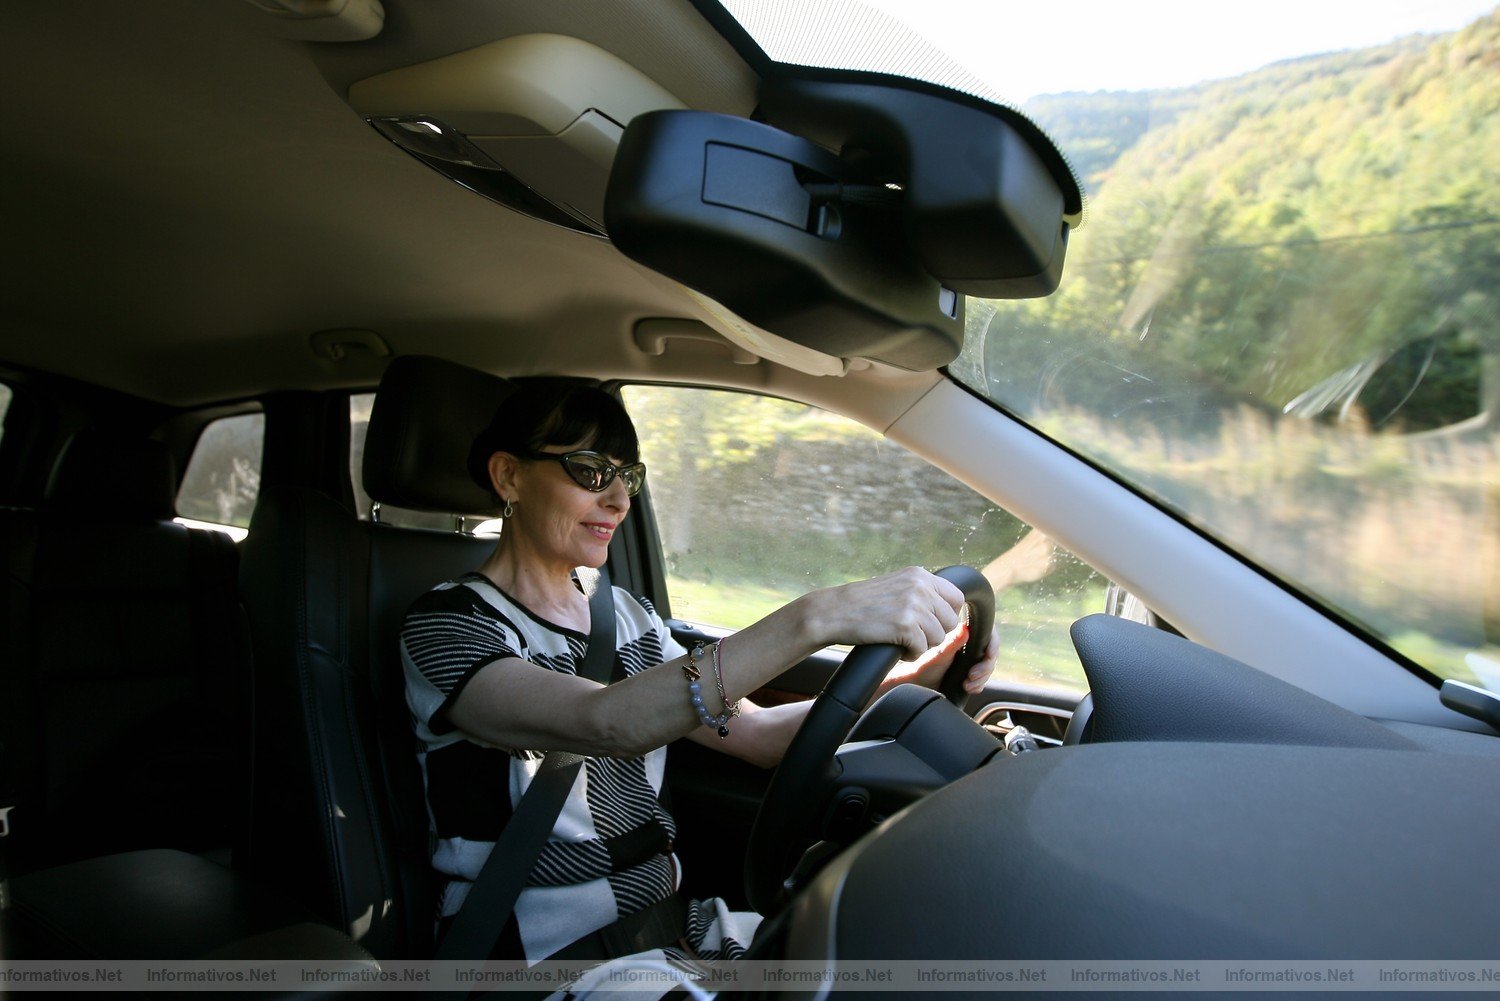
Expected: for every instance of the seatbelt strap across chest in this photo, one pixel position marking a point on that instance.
(477, 926)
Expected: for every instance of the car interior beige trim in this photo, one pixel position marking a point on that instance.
(325, 20)
(530, 85)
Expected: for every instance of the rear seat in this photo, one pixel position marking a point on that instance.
(133, 668)
(134, 733)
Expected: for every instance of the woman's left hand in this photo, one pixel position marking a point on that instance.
(928, 669)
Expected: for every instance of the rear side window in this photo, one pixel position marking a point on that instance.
(223, 476)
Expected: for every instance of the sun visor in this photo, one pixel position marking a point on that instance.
(853, 220)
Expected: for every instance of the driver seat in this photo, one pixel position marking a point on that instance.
(338, 812)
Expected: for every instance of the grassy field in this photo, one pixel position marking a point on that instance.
(724, 604)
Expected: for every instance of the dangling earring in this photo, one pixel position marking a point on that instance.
(508, 510)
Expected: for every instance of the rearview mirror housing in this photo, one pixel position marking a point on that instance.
(862, 254)
(731, 208)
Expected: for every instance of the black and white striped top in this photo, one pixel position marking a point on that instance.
(609, 853)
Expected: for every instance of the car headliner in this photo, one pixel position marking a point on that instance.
(190, 199)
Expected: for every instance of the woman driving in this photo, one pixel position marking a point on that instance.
(491, 661)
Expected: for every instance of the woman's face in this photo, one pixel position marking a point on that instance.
(556, 520)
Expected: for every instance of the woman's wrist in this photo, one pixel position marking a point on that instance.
(811, 626)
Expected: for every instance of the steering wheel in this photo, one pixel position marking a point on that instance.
(791, 809)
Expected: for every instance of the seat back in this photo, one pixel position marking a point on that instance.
(339, 814)
(136, 674)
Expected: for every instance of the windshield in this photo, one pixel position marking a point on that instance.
(1282, 316)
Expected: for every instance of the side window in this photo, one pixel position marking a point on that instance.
(359, 427)
(759, 500)
(5, 395)
(223, 476)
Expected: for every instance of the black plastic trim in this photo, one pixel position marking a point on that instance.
(1042, 144)
(743, 43)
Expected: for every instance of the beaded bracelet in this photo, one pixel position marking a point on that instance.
(695, 690)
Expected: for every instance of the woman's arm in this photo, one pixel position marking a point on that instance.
(762, 734)
(511, 703)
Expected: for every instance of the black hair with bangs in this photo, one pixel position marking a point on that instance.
(540, 414)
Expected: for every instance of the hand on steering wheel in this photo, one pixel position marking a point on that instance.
(791, 807)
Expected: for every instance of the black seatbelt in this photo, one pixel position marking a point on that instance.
(477, 926)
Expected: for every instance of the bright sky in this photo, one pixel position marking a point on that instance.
(1035, 47)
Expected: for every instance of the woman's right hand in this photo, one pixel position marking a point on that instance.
(910, 608)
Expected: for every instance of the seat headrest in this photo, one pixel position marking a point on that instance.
(427, 413)
(115, 477)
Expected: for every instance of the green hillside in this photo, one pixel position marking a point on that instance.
(1094, 129)
(1348, 192)
(1282, 317)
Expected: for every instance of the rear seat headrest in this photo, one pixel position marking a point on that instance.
(111, 476)
(427, 414)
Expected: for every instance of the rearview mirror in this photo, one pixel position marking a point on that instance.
(866, 254)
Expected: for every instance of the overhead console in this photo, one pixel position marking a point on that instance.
(853, 219)
(848, 222)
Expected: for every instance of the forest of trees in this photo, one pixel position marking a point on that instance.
(1274, 228)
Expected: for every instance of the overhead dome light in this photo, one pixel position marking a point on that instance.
(531, 122)
(450, 153)
(434, 140)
